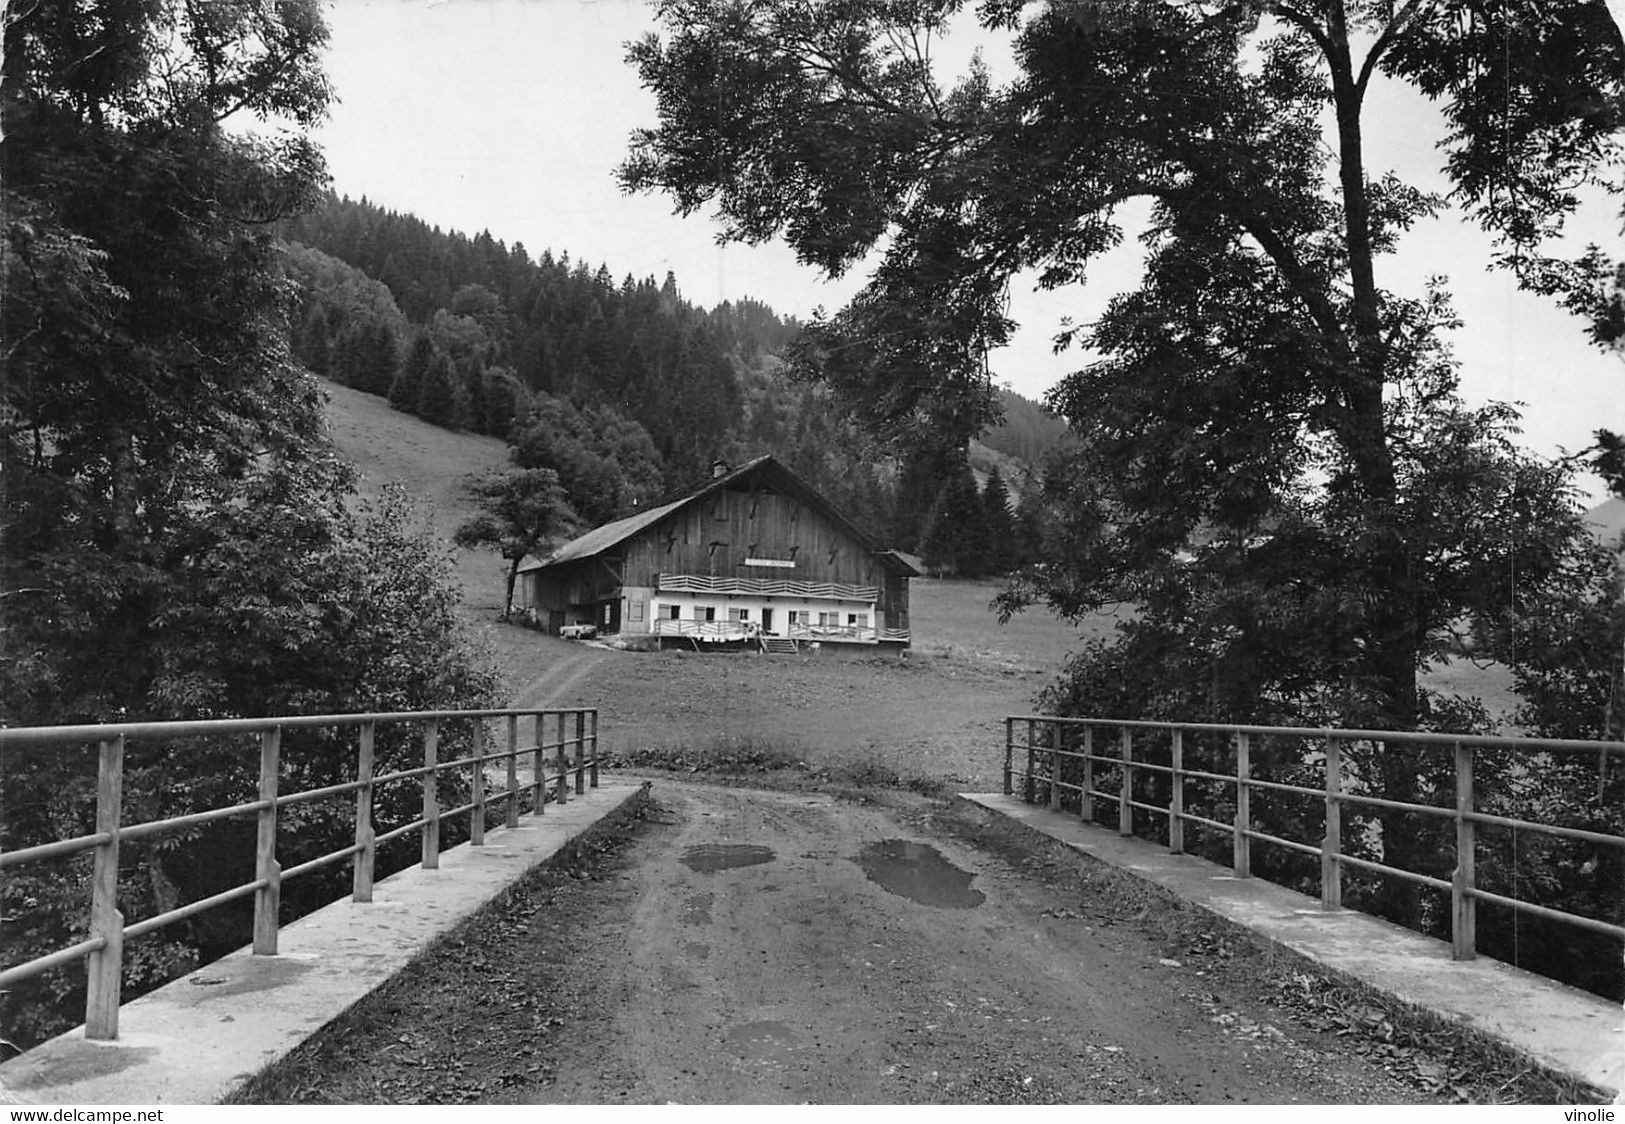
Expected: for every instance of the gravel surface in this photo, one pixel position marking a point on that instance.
(744, 946)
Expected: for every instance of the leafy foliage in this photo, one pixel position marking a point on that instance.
(1272, 464)
(1256, 355)
(519, 512)
(179, 538)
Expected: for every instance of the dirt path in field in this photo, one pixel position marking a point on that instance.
(746, 946)
(572, 664)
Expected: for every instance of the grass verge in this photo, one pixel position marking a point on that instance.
(730, 760)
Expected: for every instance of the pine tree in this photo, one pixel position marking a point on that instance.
(969, 522)
(383, 357)
(440, 399)
(999, 523)
(313, 341)
(349, 356)
(407, 389)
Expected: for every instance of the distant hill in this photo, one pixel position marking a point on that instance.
(626, 390)
(1028, 433)
(1608, 518)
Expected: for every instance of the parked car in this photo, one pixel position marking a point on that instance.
(578, 631)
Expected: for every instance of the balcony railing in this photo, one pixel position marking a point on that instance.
(715, 631)
(765, 587)
(1067, 758)
(708, 630)
(108, 930)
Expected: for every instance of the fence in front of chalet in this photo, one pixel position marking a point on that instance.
(1110, 770)
(573, 749)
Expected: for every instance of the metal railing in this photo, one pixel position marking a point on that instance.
(107, 933)
(1052, 742)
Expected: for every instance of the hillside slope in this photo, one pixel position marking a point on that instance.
(1607, 519)
(431, 463)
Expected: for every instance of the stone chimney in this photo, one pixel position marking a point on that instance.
(719, 469)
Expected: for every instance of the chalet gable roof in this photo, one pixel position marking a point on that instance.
(600, 539)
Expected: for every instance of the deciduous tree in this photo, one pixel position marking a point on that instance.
(1273, 462)
(178, 540)
(1262, 354)
(520, 511)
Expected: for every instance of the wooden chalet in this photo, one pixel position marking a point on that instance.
(755, 556)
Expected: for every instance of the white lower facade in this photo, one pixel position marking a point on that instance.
(735, 616)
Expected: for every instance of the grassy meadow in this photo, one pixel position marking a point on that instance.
(936, 712)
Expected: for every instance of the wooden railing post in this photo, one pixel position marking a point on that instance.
(593, 737)
(513, 771)
(366, 857)
(1087, 808)
(1125, 791)
(581, 753)
(563, 764)
(1463, 908)
(431, 795)
(1009, 755)
(1055, 766)
(476, 823)
(1176, 795)
(1241, 860)
(1027, 788)
(106, 968)
(268, 899)
(538, 778)
(1331, 871)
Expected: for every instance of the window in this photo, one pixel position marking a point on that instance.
(829, 620)
(859, 619)
(637, 609)
(674, 612)
(710, 612)
(739, 615)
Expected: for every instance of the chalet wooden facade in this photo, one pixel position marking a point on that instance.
(756, 554)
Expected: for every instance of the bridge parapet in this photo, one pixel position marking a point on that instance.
(1196, 786)
(571, 754)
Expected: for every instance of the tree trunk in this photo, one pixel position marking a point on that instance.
(1389, 627)
(513, 577)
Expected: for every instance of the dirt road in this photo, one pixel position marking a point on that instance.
(750, 946)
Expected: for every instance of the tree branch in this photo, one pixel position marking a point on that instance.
(1393, 28)
(1307, 24)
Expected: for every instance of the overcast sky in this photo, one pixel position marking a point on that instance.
(511, 116)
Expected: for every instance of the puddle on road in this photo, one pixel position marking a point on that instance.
(918, 872)
(704, 858)
(697, 909)
(764, 1040)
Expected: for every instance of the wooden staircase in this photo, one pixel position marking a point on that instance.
(780, 645)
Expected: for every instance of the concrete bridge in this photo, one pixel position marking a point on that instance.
(200, 1038)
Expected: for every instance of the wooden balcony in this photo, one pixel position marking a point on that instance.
(766, 587)
(709, 631)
